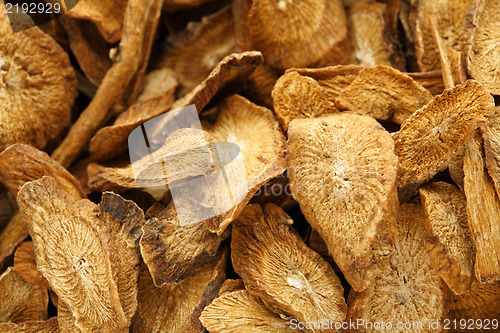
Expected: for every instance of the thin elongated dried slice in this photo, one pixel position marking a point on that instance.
(299, 34)
(342, 171)
(296, 96)
(483, 210)
(117, 177)
(12, 235)
(25, 265)
(432, 135)
(279, 268)
(21, 300)
(384, 93)
(48, 326)
(24, 56)
(72, 252)
(448, 240)
(408, 290)
(491, 136)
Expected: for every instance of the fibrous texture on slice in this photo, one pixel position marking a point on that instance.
(491, 136)
(279, 268)
(431, 136)
(408, 290)
(299, 33)
(37, 87)
(48, 326)
(384, 93)
(483, 210)
(342, 171)
(448, 240)
(296, 96)
(25, 265)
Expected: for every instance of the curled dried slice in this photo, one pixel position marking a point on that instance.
(299, 33)
(384, 93)
(408, 290)
(12, 235)
(48, 326)
(279, 268)
(36, 107)
(21, 300)
(296, 96)
(343, 171)
(491, 136)
(432, 135)
(25, 265)
(448, 240)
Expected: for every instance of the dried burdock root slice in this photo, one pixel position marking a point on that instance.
(36, 107)
(431, 136)
(296, 96)
(408, 290)
(343, 173)
(25, 265)
(383, 93)
(12, 235)
(491, 136)
(21, 300)
(299, 33)
(483, 210)
(448, 240)
(279, 268)
(48, 326)
(72, 247)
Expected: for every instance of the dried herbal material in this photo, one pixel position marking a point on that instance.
(299, 33)
(483, 210)
(116, 176)
(279, 268)
(21, 300)
(448, 240)
(432, 81)
(296, 96)
(261, 83)
(231, 285)
(491, 136)
(48, 326)
(36, 108)
(408, 290)
(383, 93)
(343, 173)
(12, 235)
(25, 265)
(8, 206)
(431, 136)
(65, 319)
(456, 168)
(276, 191)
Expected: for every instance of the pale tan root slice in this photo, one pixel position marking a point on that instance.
(12, 235)
(25, 265)
(48, 326)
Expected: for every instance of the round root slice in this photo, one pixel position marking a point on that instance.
(25, 265)
(448, 240)
(48, 326)
(299, 33)
(384, 93)
(343, 173)
(37, 87)
(296, 96)
(431, 136)
(408, 290)
(279, 268)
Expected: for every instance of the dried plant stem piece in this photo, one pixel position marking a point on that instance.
(48, 326)
(25, 265)
(443, 57)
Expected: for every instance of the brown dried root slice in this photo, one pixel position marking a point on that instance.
(35, 107)
(342, 171)
(432, 135)
(279, 268)
(48, 326)
(25, 265)
(12, 235)
(408, 290)
(448, 240)
(296, 96)
(72, 247)
(483, 210)
(491, 135)
(21, 300)
(299, 33)
(384, 93)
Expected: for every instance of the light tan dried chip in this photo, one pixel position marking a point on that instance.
(299, 33)
(21, 300)
(491, 136)
(12, 235)
(448, 240)
(279, 268)
(384, 93)
(25, 265)
(65, 319)
(408, 290)
(37, 87)
(432, 81)
(48, 326)
(432, 135)
(231, 285)
(483, 210)
(342, 171)
(296, 96)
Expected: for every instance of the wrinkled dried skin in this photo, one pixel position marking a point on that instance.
(491, 135)
(72, 248)
(296, 96)
(21, 300)
(384, 93)
(279, 268)
(25, 265)
(448, 240)
(36, 108)
(12, 235)
(409, 290)
(48, 326)
(342, 171)
(315, 32)
(238, 309)
(431, 136)
(483, 210)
